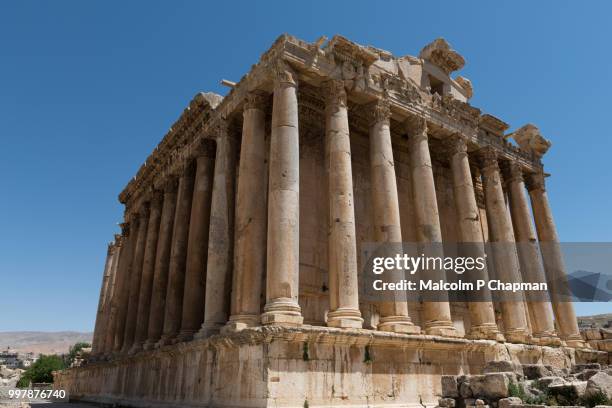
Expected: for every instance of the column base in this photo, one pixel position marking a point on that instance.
(137, 347)
(576, 341)
(485, 332)
(547, 339)
(149, 345)
(398, 324)
(345, 318)
(441, 328)
(185, 335)
(518, 336)
(166, 339)
(282, 312)
(240, 322)
(207, 330)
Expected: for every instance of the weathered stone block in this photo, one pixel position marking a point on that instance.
(450, 387)
(600, 382)
(446, 403)
(507, 402)
(490, 386)
(535, 371)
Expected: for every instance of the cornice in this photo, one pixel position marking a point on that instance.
(291, 60)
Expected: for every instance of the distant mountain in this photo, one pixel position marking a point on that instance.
(601, 320)
(42, 342)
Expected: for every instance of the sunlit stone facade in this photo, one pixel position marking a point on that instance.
(234, 281)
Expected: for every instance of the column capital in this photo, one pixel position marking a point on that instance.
(156, 197)
(535, 181)
(335, 94)
(456, 144)
(284, 75)
(204, 148)
(379, 111)
(512, 172)
(488, 158)
(256, 100)
(171, 184)
(416, 127)
(125, 229)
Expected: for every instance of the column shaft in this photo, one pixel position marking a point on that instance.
(125, 270)
(148, 270)
(393, 308)
(105, 343)
(136, 274)
(197, 247)
(342, 255)
(98, 329)
(436, 315)
(221, 235)
(482, 312)
(162, 265)
(283, 256)
(178, 256)
(250, 229)
(553, 262)
(505, 258)
(532, 269)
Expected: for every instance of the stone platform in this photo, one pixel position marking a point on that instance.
(300, 367)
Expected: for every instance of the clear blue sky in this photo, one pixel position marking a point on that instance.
(87, 89)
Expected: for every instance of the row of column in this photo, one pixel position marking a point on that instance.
(181, 254)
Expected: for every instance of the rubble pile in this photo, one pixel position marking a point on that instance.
(508, 385)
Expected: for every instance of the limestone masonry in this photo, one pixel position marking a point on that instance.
(235, 280)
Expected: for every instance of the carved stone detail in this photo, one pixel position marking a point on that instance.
(535, 181)
(379, 111)
(256, 100)
(335, 94)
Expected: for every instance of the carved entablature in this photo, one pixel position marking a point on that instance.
(361, 75)
(439, 53)
(465, 114)
(173, 147)
(493, 125)
(346, 50)
(401, 88)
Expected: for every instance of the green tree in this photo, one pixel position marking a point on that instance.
(74, 350)
(41, 370)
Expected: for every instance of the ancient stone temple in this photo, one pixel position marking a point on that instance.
(235, 280)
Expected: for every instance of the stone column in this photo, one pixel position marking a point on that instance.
(250, 229)
(106, 276)
(221, 235)
(482, 312)
(148, 270)
(505, 258)
(553, 262)
(178, 257)
(136, 274)
(197, 247)
(532, 270)
(283, 252)
(393, 309)
(342, 255)
(162, 265)
(436, 315)
(125, 271)
(105, 346)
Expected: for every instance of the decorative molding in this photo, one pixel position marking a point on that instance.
(536, 181)
(379, 111)
(256, 100)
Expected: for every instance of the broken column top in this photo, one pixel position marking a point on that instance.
(440, 53)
